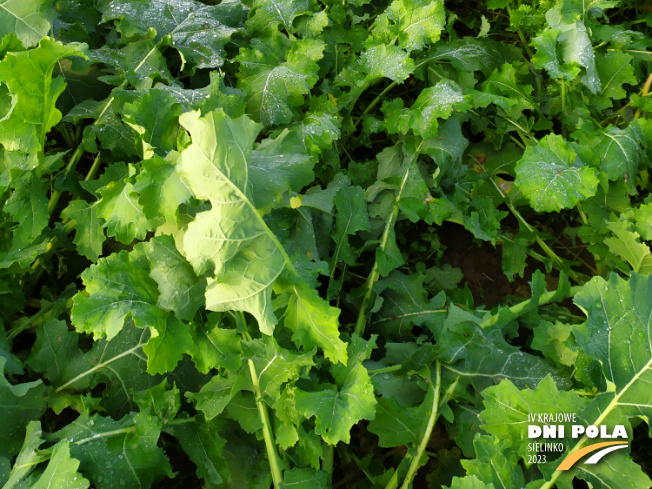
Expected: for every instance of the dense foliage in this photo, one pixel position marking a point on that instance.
(227, 232)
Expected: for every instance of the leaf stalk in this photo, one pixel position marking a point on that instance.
(375, 274)
(412, 470)
(267, 429)
(519, 308)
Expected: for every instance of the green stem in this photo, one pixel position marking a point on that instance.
(544, 246)
(519, 308)
(268, 435)
(267, 429)
(327, 460)
(26, 323)
(385, 370)
(374, 102)
(393, 482)
(65, 132)
(563, 107)
(526, 46)
(361, 323)
(524, 133)
(175, 422)
(366, 301)
(96, 164)
(426, 436)
(644, 92)
(72, 164)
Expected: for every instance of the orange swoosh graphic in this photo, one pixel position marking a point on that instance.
(574, 457)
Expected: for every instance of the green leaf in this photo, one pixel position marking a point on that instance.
(117, 287)
(514, 257)
(61, 471)
(279, 166)
(244, 410)
(269, 15)
(434, 103)
(204, 447)
(625, 244)
(231, 238)
(213, 96)
(338, 407)
(615, 69)
(21, 403)
(642, 219)
(617, 327)
(305, 479)
(448, 147)
(161, 189)
(274, 366)
(552, 176)
(495, 463)
(548, 56)
(199, 32)
(89, 228)
(389, 257)
(615, 471)
(213, 397)
(276, 75)
(28, 75)
(140, 64)
(351, 217)
(28, 206)
(406, 304)
(318, 131)
(155, 116)
(13, 366)
(27, 459)
(216, 347)
(470, 482)
(472, 54)
(418, 21)
(576, 47)
(117, 453)
(507, 409)
(396, 425)
(167, 345)
(620, 155)
(314, 322)
(120, 209)
(55, 351)
(159, 401)
(513, 97)
(484, 219)
(386, 61)
(179, 288)
(552, 340)
(482, 357)
(572, 10)
(119, 363)
(30, 20)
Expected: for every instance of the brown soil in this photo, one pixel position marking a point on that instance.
(480, 263)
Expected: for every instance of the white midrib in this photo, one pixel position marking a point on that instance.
(100, 366)
(254, 211)
(19, 19)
